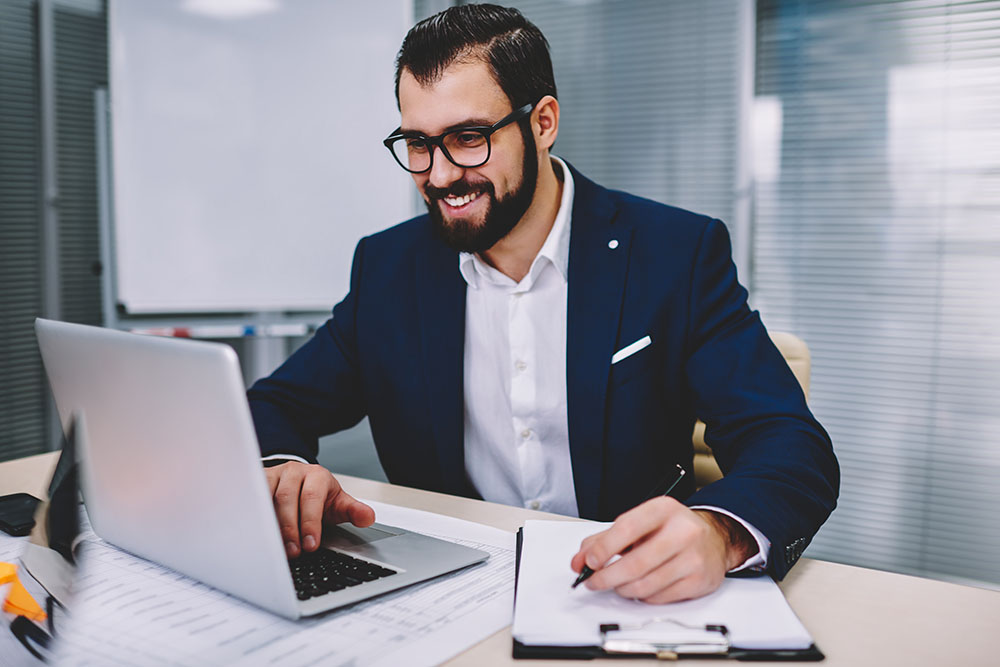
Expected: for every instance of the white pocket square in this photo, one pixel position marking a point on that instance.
(629, 350)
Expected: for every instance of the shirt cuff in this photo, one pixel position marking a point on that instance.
(292, 457)
(757, 562)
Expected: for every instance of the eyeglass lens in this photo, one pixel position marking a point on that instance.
(465, 148)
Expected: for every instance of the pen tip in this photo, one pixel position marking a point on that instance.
(584, 575)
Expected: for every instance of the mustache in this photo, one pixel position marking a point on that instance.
(457, 189)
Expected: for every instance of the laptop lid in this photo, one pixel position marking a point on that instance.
(170, 466)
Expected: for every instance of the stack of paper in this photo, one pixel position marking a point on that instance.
(550, 613)
(130, 611)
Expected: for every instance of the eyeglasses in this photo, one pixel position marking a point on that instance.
(464, 147)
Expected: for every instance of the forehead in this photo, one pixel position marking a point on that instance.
(466, 93)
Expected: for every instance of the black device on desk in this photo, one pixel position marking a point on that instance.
(17, 513)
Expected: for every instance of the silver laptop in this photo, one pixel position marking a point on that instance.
(171, 472)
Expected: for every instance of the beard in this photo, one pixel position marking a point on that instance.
(502, 214)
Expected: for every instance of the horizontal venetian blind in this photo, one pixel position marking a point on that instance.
(81, 66)
(649, 94)
(22, 385)
(876, 239)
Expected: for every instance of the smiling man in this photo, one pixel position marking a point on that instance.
(541, 341)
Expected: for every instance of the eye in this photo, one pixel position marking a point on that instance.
(416, 145)
(469, 139)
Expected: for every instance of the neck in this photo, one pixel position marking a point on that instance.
(513, 254)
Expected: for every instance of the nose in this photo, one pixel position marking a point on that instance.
(443, 171)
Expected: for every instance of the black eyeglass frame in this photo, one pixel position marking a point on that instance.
(486, 130)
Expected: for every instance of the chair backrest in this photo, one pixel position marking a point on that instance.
(796, 354)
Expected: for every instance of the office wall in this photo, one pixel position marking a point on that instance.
(876, 239)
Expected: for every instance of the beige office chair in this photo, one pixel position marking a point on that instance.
(796, 353)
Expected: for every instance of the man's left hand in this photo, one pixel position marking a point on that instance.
(668, 552)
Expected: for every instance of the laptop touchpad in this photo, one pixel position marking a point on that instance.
(346, 535)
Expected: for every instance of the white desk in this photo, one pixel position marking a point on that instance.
(857, 616)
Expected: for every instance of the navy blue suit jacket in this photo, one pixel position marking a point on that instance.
(393, 351)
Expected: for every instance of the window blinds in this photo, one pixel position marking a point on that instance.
(649, 93)
(22, 385)
(80, 65)
(877, 240)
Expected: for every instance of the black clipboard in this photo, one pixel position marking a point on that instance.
(536, 652)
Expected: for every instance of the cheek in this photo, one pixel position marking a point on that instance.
(505, 180)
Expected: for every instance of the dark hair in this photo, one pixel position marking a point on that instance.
(513, 47)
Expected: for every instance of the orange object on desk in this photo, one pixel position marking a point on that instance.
(19, 601)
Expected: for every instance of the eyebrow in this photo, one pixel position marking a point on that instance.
(468, 122)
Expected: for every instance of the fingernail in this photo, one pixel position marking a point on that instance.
(309, 543)
(592, 562)
(292, 548)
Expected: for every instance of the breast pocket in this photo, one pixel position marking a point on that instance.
(632, 361)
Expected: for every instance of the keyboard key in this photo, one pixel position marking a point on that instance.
(325, 571)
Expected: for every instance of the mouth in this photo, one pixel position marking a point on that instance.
(460, 205)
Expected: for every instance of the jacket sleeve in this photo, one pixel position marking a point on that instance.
(317, 391)
(781, 474)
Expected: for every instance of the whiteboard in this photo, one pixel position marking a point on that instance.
(246, 149)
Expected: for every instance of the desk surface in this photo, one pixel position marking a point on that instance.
(857, 616)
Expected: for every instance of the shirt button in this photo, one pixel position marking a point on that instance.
(534, 504)
(520, 365)
(526, 433)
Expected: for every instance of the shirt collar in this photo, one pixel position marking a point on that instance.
(555, 250)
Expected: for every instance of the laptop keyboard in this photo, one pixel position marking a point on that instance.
(324, 571)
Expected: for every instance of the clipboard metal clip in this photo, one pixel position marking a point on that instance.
(669, 641)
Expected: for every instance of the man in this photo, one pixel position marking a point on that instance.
(541, 341)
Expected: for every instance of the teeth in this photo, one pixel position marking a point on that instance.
(460, 201)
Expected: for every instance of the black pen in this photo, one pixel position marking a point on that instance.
(586, 572)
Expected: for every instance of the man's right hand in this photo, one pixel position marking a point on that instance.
(307, 496)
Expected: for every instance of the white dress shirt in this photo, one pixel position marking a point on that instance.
(516, 425)
(516, 428)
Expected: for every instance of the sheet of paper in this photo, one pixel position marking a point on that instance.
(549, 612)
(128, 610)
(11, 547)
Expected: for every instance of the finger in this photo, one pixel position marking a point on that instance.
(578, 560)
(644, 556)
(286, 506)
(628, 529)
(345, 507)
(312, 502)
(691, 573)
(655, 580)
(688, 587)
(361, 515)
(273, 475)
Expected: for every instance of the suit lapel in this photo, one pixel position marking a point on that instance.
(597, 275)
(441, 295)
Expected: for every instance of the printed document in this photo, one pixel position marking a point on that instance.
(129, 610)
(550, 613)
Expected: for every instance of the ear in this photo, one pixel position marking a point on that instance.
(545, 122)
